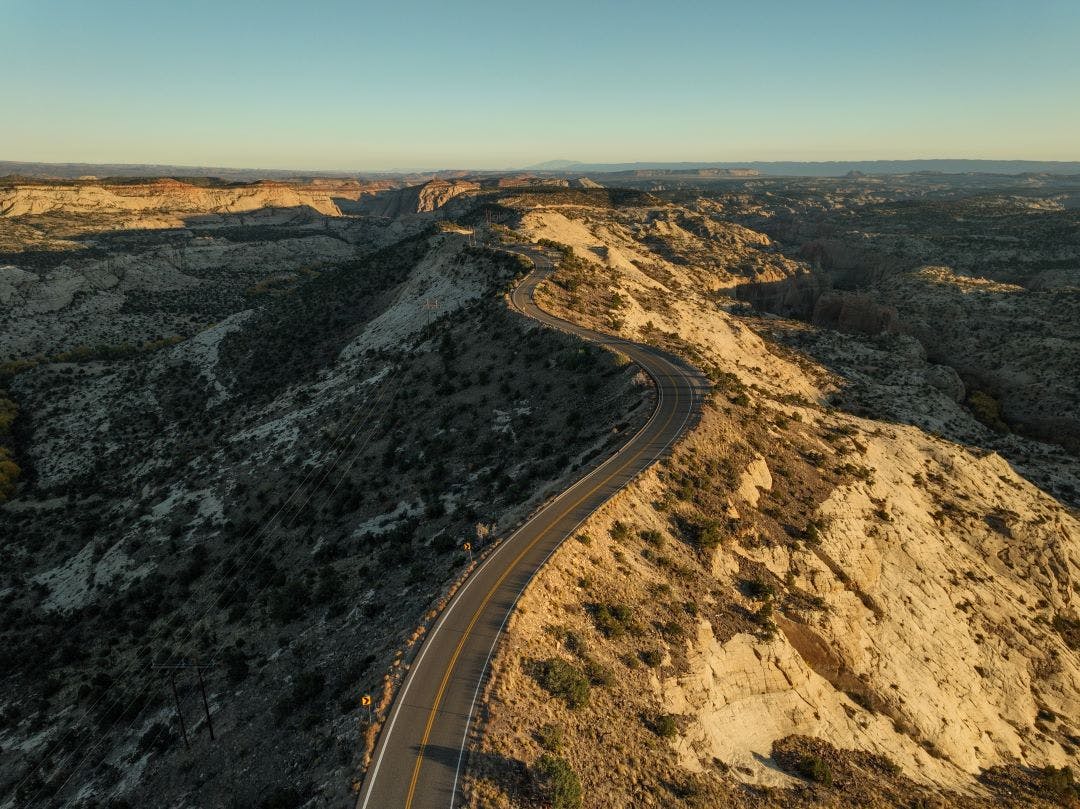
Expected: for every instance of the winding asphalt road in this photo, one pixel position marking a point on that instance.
(422, 750)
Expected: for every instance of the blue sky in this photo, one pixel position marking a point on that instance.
(359, 85)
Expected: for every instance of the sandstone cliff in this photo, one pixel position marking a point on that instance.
(424, 198)
(172, 196)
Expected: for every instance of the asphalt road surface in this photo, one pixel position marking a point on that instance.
(422, 750)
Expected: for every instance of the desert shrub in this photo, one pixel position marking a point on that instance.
(653, 537)
(306, 687)
(763, 617)
(665, 726)
(9, 474)
(815, 769)
(703, 534)
(282, 798)
(444, 543)
(556, 782)
(620, 530)
(574, 642)
(550, 737)
(330, 586)
(195, 567)
(651, 657)
(157, 739)
(8, 412)
(563, 680)
(986, 409)
(759, 589)
(613, 620)
(598, 673)
(236, 666)
(287, 603)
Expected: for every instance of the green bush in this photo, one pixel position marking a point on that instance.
(306, 687)
(236, 666)
(651, 657)
(8, 412)
(550, 737)
(556, 782)
(282, 798)
(759, 589)
(665, 726)
(986, 409)
(815, 769)
(653, 537)
(705, 535)
(9, 474)
(614, 620)
(562, 679)
(287, 603)
(574, 642)
(598, 673)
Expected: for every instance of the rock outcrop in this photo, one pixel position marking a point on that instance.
(855, 313)
(414, 199)
(172, 196)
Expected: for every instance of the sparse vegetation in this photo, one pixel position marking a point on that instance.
(614, 620)
(556, 783)
(550, 737)
(665, 726)
(563, 680)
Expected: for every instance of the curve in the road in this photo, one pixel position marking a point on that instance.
(421, 751)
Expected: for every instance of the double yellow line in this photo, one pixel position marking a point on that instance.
(491, 593)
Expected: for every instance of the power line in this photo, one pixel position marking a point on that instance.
(251, 537)
(190, 632)
(155, 732)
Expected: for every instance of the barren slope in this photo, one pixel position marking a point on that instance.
(797, 572)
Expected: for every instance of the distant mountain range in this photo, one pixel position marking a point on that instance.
(832, 168)
(72, 171)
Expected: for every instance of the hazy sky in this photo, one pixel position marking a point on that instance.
(353, 85)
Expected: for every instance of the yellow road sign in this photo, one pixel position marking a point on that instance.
(365, 700)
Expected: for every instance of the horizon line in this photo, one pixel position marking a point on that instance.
(537, 166)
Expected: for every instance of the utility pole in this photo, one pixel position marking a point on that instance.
(179, 713)
(173, 671)
(206, 705)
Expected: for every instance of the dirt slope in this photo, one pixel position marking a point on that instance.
(797, 573)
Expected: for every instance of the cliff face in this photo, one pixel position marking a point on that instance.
(425, 198)
(167, 195)
(854, 313)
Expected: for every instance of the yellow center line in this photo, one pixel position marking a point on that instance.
(491, 593)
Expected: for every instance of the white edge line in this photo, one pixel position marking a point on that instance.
(399, 699)
(513, 606)
(387, 730)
